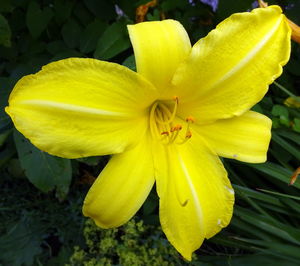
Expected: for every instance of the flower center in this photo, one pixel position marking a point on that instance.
(162, 122)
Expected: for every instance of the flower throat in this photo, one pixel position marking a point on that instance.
(162, 122)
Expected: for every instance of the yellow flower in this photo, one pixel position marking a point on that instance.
(167, 123)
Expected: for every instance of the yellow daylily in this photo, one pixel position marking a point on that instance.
(167, 123)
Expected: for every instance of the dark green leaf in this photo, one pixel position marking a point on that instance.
(113, 41)
(5, 88)
(37, 20)
(296, 125)
(71, 33)
(6, 6)
(56, 47)
(66, 54)
(281, 112)
(130, 62)
(43, 170)
(90, 36)
(286, 145)
(275, 171)
(5, 33)
(63, 10)
(102, 9)
(228, 7)
(22, 243)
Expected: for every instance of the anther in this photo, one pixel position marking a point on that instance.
(190, 119)
(165, 133)
(176, 128)
(188, 134)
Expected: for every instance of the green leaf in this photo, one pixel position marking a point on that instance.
(44, 171)
(130, 62)
(113, 41)
(90, 36)
(169, 5)
(276, 228)
(63, 10)
(22, 242)
(56, 46)
(37, 20)
(228, 7)
(4, 136)
(257, 108)
(289, 135)
(281, 249)
(66, 53)
(256, 195)
(102, 9)
(5, 88)
(280, 194)
(92, 161)
(6, 6)
(5, 33)
(275, 171)
(296, 125)
(71, 33)
(286, 145)
(281, 112)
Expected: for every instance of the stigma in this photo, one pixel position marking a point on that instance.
(163, 126)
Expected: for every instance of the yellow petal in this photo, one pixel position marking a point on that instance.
(196, 197)
(81, 107)
(159, 47)
(230, 70)
(245, 138)
(121, 188)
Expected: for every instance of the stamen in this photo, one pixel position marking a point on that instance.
(153, 126)
(175, 98)
(171, 115)
(190, 119)
(175, 131)
(162, 116)
(176, 128)
(188, 133)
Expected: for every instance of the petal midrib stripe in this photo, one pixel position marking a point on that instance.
(193, 191)
(247, 58)
(75, 108)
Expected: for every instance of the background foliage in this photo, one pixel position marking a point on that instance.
(41, 195)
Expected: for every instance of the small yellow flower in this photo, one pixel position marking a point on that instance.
(167, 123)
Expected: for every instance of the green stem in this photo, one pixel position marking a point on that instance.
(285, 90)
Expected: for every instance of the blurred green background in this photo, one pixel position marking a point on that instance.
(41, 195)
